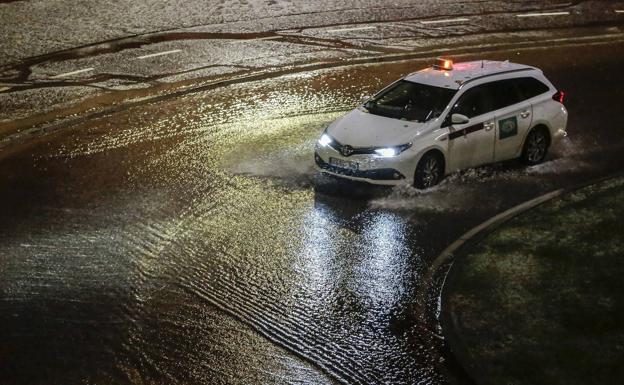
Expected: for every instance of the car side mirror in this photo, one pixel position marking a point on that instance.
(459, 119)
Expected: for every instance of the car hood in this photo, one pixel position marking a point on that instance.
(362, 129)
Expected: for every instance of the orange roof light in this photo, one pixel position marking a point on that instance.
(443, 64)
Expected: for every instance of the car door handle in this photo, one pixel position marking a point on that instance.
(488, 126)
(525, 114)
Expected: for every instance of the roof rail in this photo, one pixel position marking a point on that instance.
(496, 73)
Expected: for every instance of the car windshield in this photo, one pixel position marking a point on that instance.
(411, 101)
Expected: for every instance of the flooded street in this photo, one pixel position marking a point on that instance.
(189, 240)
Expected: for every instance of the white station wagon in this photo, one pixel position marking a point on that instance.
(442, 119)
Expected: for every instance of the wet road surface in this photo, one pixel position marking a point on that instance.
(92, 55)
(189, 240)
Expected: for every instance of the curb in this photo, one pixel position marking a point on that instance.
(498, 219)
(448, 253)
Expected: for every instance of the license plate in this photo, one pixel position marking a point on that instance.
(344, 164)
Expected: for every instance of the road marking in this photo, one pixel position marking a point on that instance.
(259, 38)
(565, 13)
(619, 11)
(159, 54)
(444, 21)
(72, 73)
(2, 89)
(349, 29)
(267, 38)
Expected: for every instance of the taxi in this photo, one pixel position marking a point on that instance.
(442, 119)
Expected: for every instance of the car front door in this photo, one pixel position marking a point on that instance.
(472, 144)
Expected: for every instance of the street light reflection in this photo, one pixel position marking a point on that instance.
(384, 264)
(318, 249)
(362, 259)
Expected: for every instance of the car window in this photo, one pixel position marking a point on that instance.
(504, 93)
(530, 87)
(411, 101)
(474, 102)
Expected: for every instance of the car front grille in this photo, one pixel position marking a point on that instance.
(374, 174)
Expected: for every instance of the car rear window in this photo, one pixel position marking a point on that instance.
(530, 87)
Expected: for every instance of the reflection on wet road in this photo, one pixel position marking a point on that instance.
(190, 241)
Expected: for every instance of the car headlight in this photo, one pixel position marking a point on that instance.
(388, 152)
(325, 140)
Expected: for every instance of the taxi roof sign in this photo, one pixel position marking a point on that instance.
(443, 64)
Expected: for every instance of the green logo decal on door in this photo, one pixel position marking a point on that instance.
(507, 127)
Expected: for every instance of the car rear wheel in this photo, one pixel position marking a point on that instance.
(535, 147)
(429, 171)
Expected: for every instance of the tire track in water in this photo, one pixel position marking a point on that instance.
(297, 344)
(171, 239)
(184, 245)
(152, 242)
(294, 334)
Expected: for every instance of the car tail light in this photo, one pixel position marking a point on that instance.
(559, 96)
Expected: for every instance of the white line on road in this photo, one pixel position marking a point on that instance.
(267, 38)
(619, 11)
(159, 54)
(257, 39)
(444, 21)
(350, 29)
(72, 73)
(565, 13)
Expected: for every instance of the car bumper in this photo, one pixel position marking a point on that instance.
(560, 121)
(558, 135)
(380, 172)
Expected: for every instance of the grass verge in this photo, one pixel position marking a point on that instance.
(540, 299)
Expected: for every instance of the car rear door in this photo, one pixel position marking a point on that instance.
(472, 144)
(514, 114)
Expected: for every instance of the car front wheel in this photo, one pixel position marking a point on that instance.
(429, 171)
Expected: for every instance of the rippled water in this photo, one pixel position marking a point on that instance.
(190, 241)
(210, 204)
